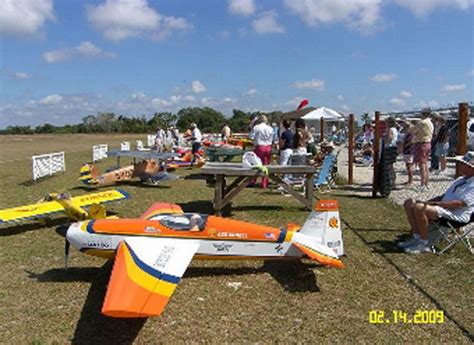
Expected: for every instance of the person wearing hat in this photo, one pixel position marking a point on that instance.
(456, 204)
(196, 138)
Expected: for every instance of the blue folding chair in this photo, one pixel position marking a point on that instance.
(325, 174)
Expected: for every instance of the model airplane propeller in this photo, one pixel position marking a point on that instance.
(153, 252)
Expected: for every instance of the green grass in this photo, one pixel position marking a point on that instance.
(41, 303)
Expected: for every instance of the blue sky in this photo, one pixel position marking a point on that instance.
(64, 59)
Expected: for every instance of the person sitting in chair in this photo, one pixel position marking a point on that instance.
(456, 204)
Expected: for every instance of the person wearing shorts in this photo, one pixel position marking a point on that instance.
(423, 133)
(442, 145)
(456, 204)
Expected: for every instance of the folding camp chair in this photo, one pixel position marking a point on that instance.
(297, 159)
(453, 232)
(325, 174)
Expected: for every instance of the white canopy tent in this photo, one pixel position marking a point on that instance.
(326, 113)
(332, 120)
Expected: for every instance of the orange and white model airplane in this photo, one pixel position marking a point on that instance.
(153, 251)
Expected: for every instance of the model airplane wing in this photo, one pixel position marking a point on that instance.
(145, 274)
(160, 208)
(142, 154)
(43, 209)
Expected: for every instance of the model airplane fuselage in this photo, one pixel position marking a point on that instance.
(152, 252)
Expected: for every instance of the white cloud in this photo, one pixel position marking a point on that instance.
(421, 8)
(22, 75)
(359, 14)
(251, 92)
(197, 86)
(190, 98)
(294, 102)
(119, 20)
(310, 84)
(340, 97)
(267, 23)
(405, 94)
(24, 17)
(242, 7)
(471, 73)
(383, 77)
(84, 49)
(138, 96)
(397, 101)
(345, 107)
(51, 100)
(431, 104)
(454, 87)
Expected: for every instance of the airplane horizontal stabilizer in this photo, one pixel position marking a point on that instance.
(316, 251)
(145, 274)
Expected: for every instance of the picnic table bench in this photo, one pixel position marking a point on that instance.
(223, 193)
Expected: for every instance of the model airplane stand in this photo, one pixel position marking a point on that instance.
(224, 194)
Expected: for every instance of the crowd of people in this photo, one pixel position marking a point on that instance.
(422, 143)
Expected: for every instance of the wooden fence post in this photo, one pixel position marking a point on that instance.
(321, 125)
(462, 132)
(375, 158)
(351, 149)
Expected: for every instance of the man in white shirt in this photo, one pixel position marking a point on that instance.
(262, 142)
(196, 138)
(456, 204)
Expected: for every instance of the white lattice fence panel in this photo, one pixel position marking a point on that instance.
(150, 140)
(99, 152)
(125, 146)
(48, 164)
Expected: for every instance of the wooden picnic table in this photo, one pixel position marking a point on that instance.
(223, 193)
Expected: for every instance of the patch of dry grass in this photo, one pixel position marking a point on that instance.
(40, 302)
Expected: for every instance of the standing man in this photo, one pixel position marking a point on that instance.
(196, 139)
(226, 133)
(423, 133)
(286, 143)
(262, 141)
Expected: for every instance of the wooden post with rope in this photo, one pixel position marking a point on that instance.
(375, 158)
(462, 132)
(351, 150)
(321, 125)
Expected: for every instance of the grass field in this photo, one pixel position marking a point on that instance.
(42, 303)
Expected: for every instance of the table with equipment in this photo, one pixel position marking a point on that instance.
(223, 193)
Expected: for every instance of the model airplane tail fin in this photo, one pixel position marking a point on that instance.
(88, 174)
(316, 251)
(324, 225)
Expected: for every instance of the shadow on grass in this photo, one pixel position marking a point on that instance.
(292, 275)
(93, 327)
(16, 229)
(131, 183)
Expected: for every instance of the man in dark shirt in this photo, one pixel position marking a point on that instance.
(286, 143)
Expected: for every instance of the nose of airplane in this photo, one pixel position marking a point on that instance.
(74, 235)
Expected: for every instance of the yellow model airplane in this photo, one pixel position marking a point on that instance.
(60, 202)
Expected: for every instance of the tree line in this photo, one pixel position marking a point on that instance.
(207, 119)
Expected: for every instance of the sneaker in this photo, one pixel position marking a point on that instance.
(419, 248)
(408, 243)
